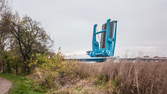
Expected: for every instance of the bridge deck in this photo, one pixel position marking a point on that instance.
(103, 59)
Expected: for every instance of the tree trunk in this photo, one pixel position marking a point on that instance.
(16, 68)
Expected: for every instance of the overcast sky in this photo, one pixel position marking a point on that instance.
(142, 24)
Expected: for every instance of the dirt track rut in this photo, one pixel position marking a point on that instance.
(5, 86)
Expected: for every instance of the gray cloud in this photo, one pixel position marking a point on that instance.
(142, 24)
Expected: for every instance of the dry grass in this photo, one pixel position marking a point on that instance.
(121, 77)
(128, 78)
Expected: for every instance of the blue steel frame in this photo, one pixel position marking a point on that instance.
(110, 41)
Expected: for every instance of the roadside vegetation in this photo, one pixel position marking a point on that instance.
(21, 84)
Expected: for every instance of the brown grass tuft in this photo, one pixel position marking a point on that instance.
(128, 77)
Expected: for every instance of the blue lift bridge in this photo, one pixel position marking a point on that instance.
(103, 48)
(106, 46)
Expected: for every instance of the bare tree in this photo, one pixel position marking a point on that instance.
(2, 37)
(2, 5)
(2, 34)
(24, 35)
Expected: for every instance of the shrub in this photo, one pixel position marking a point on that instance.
(53, 72)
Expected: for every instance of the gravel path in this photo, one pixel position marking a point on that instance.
(5, 86)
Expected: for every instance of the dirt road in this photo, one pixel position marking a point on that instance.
(5, 86)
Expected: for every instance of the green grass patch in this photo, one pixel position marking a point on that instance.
(21, 84)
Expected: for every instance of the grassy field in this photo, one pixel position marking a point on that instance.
(123, 77)
(127, 77)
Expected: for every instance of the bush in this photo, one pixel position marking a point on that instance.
(10, 63)
(52, 72)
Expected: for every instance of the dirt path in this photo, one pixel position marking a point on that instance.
(5, 85)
